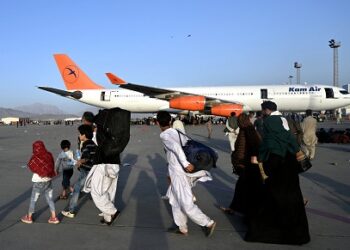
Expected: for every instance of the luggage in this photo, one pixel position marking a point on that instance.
(113, 134)
(199, 155)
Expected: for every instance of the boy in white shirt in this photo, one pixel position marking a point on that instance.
(65, 163)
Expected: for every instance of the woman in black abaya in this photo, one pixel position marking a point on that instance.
(280, 216)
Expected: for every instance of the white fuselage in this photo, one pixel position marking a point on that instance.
(287, 97)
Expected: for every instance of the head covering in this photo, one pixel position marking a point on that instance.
(41, 162)
(243, 120)
(269, 105)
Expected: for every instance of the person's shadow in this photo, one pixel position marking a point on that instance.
(223, 195)
(128, 161)
(10, 206)
(160, 170)
(147, 216)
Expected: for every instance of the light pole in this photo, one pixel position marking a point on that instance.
(290, 79)
(335, 45)
(297, 66)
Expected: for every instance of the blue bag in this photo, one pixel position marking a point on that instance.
(199, 155)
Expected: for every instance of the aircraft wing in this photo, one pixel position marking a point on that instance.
(161, 93)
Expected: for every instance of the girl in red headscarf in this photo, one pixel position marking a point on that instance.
(42, 165)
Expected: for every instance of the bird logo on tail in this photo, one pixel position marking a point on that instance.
(70, 73)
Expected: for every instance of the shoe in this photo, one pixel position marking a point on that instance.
(53, 220)
(176, 230)
(63, 197)
(68, 214)
(27, 219)
(209, 230)
(113, 218)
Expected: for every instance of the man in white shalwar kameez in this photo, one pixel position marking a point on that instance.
(102, 183)
(180, 189)
(309, 126)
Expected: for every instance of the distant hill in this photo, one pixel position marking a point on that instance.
(40, 109)
(5, 112)
(35, 111)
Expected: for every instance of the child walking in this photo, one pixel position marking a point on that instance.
(65, 163)
(42, 165)
(84, 165)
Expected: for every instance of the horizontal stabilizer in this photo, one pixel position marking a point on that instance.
(75, 94)
(115, 79)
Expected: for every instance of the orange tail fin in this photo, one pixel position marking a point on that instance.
(115, 79)
(72, 75)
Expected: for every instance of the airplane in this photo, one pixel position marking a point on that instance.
(215, 100)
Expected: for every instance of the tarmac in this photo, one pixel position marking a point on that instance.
(145, 217)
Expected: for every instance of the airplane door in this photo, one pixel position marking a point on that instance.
(329, 92)
(106, 96)
(263, 94)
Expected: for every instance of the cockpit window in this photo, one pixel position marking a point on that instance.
(344, 92)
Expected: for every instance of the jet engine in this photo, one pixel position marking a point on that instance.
(192, 103)
(225, 109)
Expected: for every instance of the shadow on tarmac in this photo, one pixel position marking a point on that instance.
(217, 189)
(124, 173)
(8, 207)
(337, 189)
(146, 215)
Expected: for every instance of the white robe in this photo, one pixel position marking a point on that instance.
(102, 183)
(180, 189)
(232, 135)
(309, 126)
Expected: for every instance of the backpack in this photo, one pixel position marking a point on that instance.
(199, 155)
(113, 134)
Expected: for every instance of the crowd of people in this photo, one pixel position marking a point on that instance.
(264, 150)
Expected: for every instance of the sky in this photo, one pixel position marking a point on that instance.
(168, 43)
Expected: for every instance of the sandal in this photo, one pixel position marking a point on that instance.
(63, 197)
(227, 210)
(176, 230)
